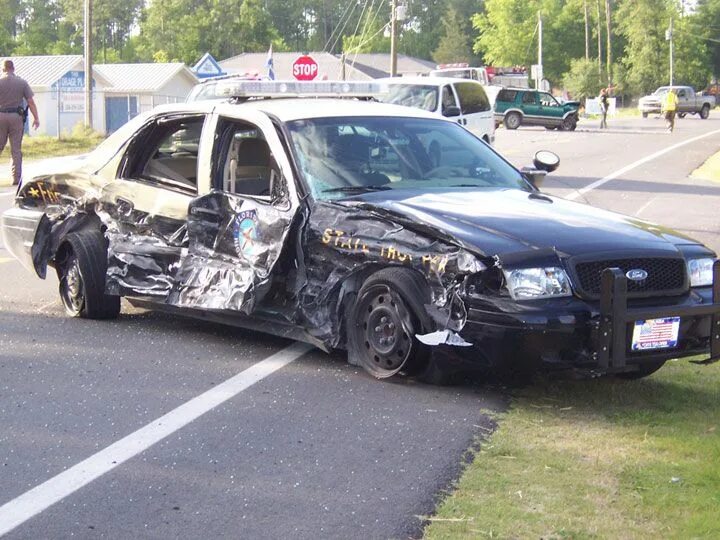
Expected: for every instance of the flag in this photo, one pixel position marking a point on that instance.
(269, 65)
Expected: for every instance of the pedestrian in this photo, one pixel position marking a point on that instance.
(604, 106)
(13, 90)
(670, 102)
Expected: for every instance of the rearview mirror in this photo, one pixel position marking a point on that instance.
(547, 161)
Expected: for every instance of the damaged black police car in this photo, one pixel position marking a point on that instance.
(356, 225)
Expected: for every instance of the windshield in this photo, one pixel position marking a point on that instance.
(661, 91)
(412, 95)
(342, 156)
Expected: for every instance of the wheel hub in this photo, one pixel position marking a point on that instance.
(387, 341)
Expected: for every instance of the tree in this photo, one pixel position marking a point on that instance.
(113, 23)
(38, 27)
(371, 34)
(454, 46)
(706, 23)
(643, 24)
(694, 65)
(508, 33)
(582, 79)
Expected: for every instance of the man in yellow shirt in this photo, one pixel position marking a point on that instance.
(670, 103)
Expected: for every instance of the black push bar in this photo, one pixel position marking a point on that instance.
(615, 316)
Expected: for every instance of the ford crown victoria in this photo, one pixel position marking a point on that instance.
(379, 229)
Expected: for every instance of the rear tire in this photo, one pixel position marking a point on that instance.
(81, 271)
(512, 120)
(705, 112)
(644, 115)
(644, 370)
(388, 313)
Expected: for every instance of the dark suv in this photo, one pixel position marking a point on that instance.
(518, 106)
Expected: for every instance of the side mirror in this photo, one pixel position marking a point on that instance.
(547, 161)
(536, 176)
(452, 110)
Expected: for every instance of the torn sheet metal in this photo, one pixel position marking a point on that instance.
(347, 241)
(443, 337)
(234, 244)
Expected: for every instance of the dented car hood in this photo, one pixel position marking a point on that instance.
(497, 222)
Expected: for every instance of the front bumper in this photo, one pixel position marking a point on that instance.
(19, 227)
(650, 107)
(591, 337)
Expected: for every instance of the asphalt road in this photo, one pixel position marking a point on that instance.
(315, 449)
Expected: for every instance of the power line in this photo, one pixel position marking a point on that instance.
(343, 16)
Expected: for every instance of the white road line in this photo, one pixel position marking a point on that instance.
(38, 499)
(637, 163)
(7, 194)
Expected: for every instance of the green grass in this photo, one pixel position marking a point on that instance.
(710, 170)
(79, 141)
(601, 458)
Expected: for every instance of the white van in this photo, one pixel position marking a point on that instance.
(460, 99)
(462, 71)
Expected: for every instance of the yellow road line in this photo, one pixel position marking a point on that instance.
(5, 259)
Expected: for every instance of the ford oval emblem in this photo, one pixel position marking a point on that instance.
(637, 274)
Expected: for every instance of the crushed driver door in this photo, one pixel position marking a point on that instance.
(237, 232)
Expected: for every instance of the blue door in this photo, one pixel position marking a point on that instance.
(119, 110)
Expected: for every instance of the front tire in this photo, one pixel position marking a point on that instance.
(513, 120)
(81, 266)
(568, 124)
(644, 115)
(388, 313)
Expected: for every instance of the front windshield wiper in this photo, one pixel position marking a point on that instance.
(356, 189)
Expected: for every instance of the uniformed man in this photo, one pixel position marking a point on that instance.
(13, 90)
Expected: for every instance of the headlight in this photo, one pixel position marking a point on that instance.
(528, 283)
(700, 272)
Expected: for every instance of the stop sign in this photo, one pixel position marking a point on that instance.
(305, 68)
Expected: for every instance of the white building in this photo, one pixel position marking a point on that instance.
(136, 88)
(120, 91)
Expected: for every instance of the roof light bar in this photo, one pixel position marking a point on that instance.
(250, 89)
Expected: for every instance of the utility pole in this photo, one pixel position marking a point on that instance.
(669, 37)
(609, 42)
(587, 31)
(599, 36)
(88, 63)
(540, 63)
(393, 38)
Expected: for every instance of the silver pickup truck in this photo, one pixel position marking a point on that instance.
(688, 102)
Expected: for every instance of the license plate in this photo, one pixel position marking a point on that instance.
(656, 334)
